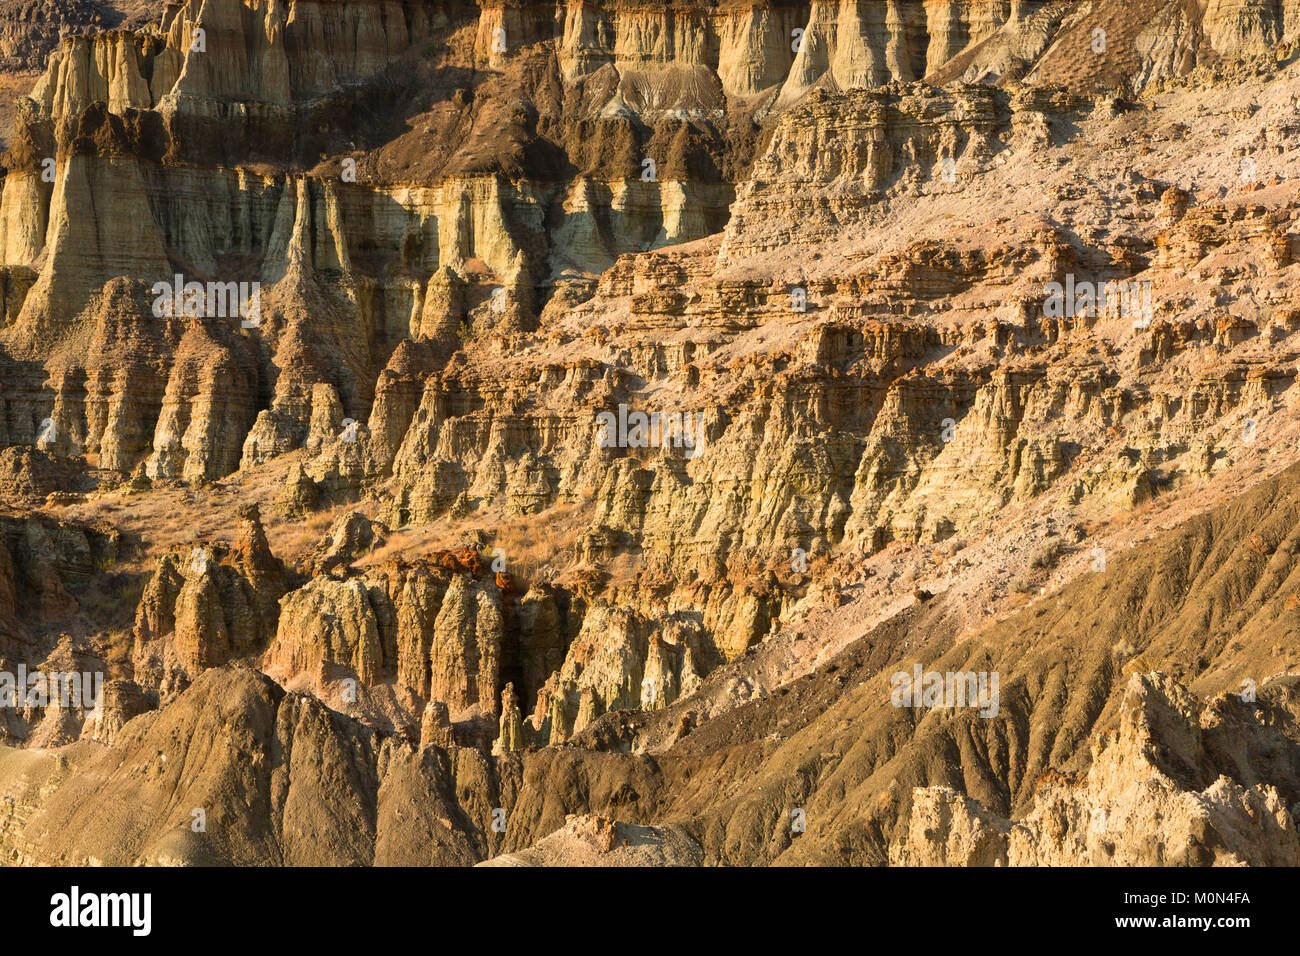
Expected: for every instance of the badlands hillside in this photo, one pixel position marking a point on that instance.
(326, 330)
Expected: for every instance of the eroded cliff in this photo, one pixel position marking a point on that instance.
(546, 429)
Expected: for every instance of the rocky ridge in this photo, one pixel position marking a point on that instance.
(415, 588)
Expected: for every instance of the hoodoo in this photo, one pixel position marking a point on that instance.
(605, 432)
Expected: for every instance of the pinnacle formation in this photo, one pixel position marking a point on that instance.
(614, 433)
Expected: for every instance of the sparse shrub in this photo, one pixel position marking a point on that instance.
(1022, 585)
(1046, 554)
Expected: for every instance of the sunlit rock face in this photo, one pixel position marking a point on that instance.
(415, 413)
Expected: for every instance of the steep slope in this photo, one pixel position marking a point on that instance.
(1133, 769)
(545, 429)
